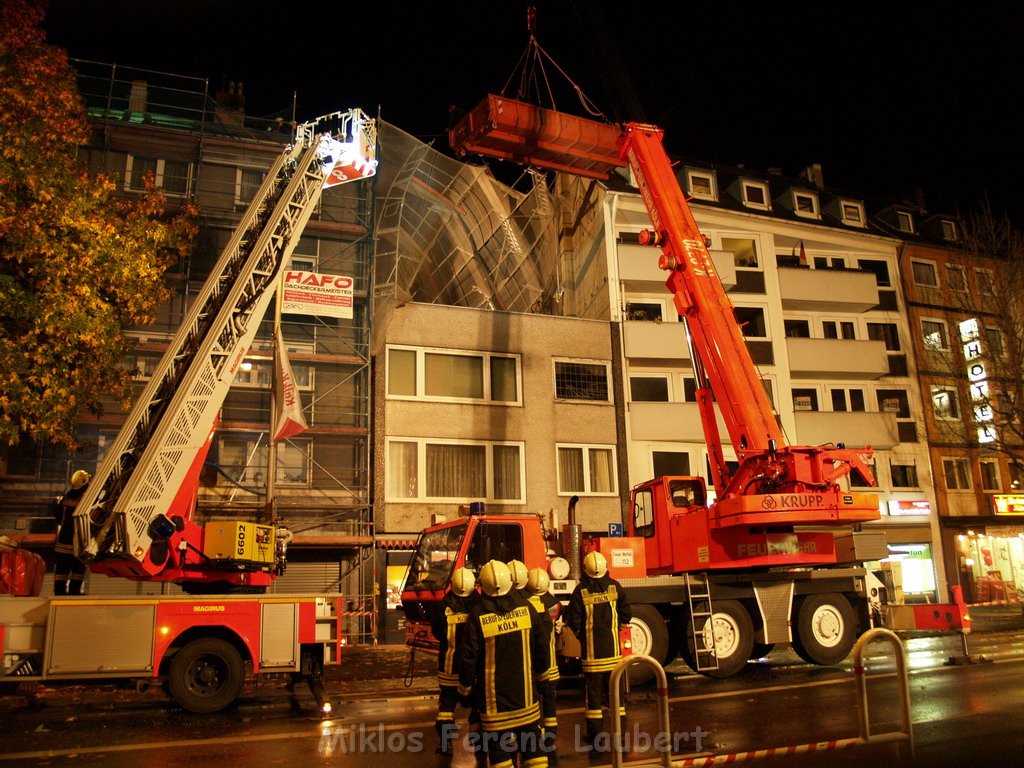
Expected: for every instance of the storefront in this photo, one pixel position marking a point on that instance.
(394, 553)
(990, 556)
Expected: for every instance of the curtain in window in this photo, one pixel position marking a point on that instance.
(403, 471)
(506, 473)
(601, 478)
(503, 380)
(457, 471)
(570, 470)
(453, 376)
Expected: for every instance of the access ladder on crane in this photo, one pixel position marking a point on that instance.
(702, 621)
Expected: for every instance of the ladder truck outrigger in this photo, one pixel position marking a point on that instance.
(137, 517)
(778, 556)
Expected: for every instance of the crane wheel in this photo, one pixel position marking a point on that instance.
(206, 675)
(731, 630)
(650, 637)
(826, 628)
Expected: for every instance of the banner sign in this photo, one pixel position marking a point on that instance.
(288, 417)
(310, 293)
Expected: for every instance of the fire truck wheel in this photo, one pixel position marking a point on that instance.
(650, 637)
(760, 650)
(825, 628)
(733, 633)
(206, 675)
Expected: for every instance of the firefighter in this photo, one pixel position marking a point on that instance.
(449, 628)
(68, 570)
(537, 584)
(597, 609)
(519, 576)
(503, 654)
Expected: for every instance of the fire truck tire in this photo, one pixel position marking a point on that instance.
(733, 633)
(760, 650)
(826, 628)
(206, 675)
(650, 637)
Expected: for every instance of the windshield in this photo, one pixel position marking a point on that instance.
(432, 564)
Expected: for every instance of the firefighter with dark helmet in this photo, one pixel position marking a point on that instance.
(503, 654)
(449, 625)
(547, 605)
(597, 609)
(68, 570)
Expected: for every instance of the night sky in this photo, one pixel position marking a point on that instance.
(888, 98)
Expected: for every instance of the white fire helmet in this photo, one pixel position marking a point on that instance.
(79, 479)
(537, 582)
(496, 578)
(519, 573)
(595, 565)
(463, 581)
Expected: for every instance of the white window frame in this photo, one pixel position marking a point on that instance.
(764, 315)
(998, 480)
(962, 288)
(985, 280)
(700, 194)
(903, 463)
(949, 231)
(664, 376)
(945, 333)
(814, 213)
(988, 330)
(846, 394)
(243, 201)
(953, 413)
(580, 361)
(421, 396)
(158, 176)
(748, 184)
(935, 272)
(844, 209)
(653, 448)
(421, 470)
(838, 323)
(905, 221)
(587, 481)
(816, 388)
(668, 313)
(962, 463)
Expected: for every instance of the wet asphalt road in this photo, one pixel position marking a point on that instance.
(963, 715)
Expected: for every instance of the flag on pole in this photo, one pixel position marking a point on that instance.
(803, 255)
(288, 418)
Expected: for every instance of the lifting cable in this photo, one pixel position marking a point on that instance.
(531, 63)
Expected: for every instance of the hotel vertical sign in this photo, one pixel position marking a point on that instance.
(977, 376)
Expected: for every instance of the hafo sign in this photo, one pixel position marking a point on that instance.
(312, 293)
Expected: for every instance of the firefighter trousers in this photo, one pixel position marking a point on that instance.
(502, 747)
(597, 701)
(548, 690)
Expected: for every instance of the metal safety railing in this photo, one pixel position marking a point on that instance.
(902, 738)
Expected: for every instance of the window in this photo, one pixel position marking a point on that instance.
(925, 274)
(690, 390)
(586, 470)
(887, 332)
(957, 279)
(879, 268)
(247, 184)
(644, 310)
(945, 402)
(805, 399)
(903, 475)
(838, 329)
(450, 470)
(989, 475)
(805, 204)
(744, 251)
(985, 280)
(170, 175)
(853, 213)
(905, 221)
(581, 381)
(426, 374)
(935, 337)
(994, 336)
(829, 262)
(894, 401)
(137, 171)
(857, 480)
(701, 185)
(491, 541)
(751, 321)
(847, 399)
(643, 513)
(670, 463)
(755, 194)
(797, 329)
(949, 229)
(957, 476)
(649, 389)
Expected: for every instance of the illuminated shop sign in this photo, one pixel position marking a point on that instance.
(1008, 505)
(970, 339)
(905, 507)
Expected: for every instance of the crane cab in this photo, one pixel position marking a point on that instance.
(670, 514)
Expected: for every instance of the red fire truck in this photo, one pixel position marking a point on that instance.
(137, 518)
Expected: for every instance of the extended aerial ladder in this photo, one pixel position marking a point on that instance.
(136, 518)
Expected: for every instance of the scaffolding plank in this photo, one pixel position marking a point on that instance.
(530, 135)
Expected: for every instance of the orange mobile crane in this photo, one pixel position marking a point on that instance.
(778, 556)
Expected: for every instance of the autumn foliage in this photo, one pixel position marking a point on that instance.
(77, 265)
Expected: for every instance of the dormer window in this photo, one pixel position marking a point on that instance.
(805, 204)
(905, 221)
(852, 212)
(755, 194)
(949, 229)
(701, 185)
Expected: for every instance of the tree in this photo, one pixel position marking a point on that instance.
(77, 265)
(986, 368)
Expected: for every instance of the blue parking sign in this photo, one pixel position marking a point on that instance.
(615, 529)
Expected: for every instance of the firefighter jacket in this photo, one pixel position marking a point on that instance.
(65, 516)
(504, 651)
(544, 603)
(449, 626)
(596, 610)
